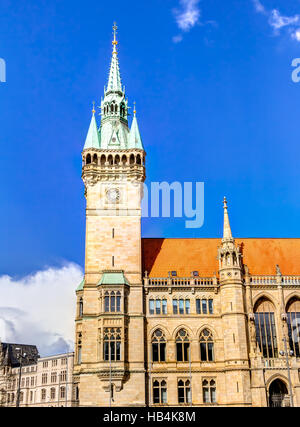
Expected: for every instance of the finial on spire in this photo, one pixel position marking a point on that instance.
(134, 109)
(93, 110)
(225, 203)
(115, 41)
(227, 235)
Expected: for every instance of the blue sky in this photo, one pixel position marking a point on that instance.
(215, 99)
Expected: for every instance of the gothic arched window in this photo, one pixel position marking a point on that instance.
(182, 346)
(184, 391)
(209, 391)
(158, 346)
(112, 344)
(88, 159)
(112, 302)
(159, 391)
(206, 346)
(293, 321)
(266, 328)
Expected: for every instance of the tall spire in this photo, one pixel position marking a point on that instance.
(114, 79)
(227, 235)
(135, 140)
(93, 137)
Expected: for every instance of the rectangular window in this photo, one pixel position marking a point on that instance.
(151, 306)
(164, 306)
(118, 304)
(157, 306)
(198, 306)
(155, 354)
(211, 306)
(181, 306)
(106, 304)
(106, 351)
(79, 355)
(204, 306)
(187, 306)
(175, 306)
(112, 303)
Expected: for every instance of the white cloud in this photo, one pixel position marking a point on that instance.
(189, 14)
(259, 7)
(278, 21)
(40, 309)
(296, 34)
(177, 39)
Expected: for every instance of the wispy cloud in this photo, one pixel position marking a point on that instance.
(40, 309)
(278, 21)
(186, 16)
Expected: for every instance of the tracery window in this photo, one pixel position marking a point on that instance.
(112, 302)
(182, 346)
(184, 391)
(266, 328)
(293, 321)
(112, 344)
(158, 346)
(159, 391)
(43, 394)
(209, 391)
(206, 346)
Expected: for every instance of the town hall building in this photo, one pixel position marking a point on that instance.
(171, 322)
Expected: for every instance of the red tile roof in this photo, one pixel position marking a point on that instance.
(187, 255)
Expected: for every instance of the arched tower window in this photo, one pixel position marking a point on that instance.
(293, 320)
(110, 160)
(95, 159)
(182, 346)
(206, 346)
(132, 159)
(138, 160)
(103, 160)
(158, 346)
(88, 159)
(266, 328)
(117, 160)
(124, 160)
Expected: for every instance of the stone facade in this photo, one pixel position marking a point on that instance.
(162, 322)
(46, 383)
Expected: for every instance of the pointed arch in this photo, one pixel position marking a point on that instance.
(265, 326)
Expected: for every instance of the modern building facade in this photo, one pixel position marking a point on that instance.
(45, 382)
(169, 322)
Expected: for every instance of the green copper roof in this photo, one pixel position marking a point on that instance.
(135, 140)
(81, 286)
(113, 279)
(93, 138)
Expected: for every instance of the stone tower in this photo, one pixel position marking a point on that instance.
(109, 365)
(237, 377)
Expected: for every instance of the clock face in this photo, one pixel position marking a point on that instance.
(113, 195)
